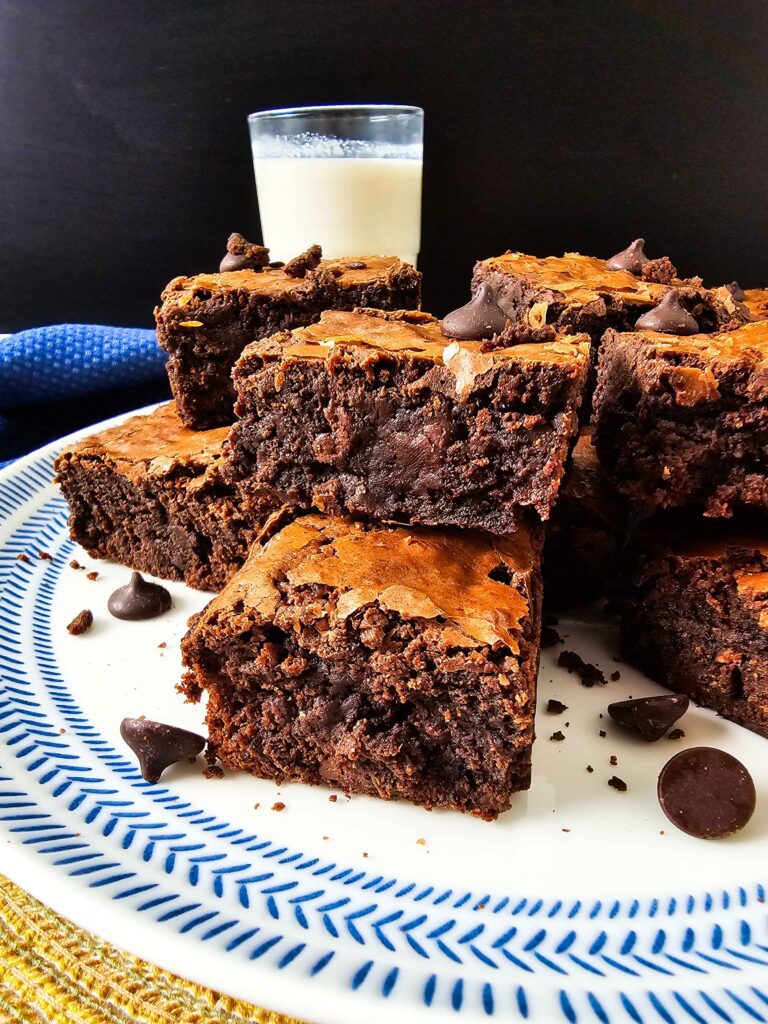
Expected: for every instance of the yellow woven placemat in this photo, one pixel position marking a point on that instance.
(52, 972)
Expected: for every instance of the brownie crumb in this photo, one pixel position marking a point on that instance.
(421, 842)
(550, 637)
(333, 798)
(557, 736)
(300, 265)
(45, 556)
(81, 623)
(556, 707)
(659, 271)
(326, 837)
(365, 854)
(74, 564)
(256, 806)
(676, 734)
(21, 557)
(92, 575)
(163, 644)
(614, 760)
(214, 770)
(602, 733)
(565, 830)
(615, 676)
(587, 672)
(278, 805)
(590, 769)
(617, 783)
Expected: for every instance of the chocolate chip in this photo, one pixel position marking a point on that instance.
(480, 318)
(139, 599)
(81, 623)
(618, 783)
(649, 716)
(300, 265)
(631, 259)
(243, 255)
(157, 746)
(669, 317)
(737, 292)
(555, 707)
(706, 792)
(356, 265)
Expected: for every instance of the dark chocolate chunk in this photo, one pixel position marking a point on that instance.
(243, 255)
(480, 318)
(139, 599)
(555, 707)
(669, 317)
(157, 746)
(706, 792)
(737, 292)
(617, 783)
(300, 265)
(649, 716)
(81, 623)
(632, 258)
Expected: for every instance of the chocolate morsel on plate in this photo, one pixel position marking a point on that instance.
(480, 318)
(631, 259)
(243, 255)
(139, 599)
(669, 317)
(157, 746)
(737, 292)
(300, 265)
(649, 716)
(706, 792)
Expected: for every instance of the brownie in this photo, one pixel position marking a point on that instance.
(206, 321)
(390, 661)
(683, 421)
(149, 493)
(381, 416)
(756, 301)
(695, 618)
(577, 293)
(586, 532)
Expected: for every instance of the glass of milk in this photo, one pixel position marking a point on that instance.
(347, 178)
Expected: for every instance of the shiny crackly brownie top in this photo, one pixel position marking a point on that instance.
(348, 271)
(155, 444)
(579, 279)
(416, 572)
(756, 301)
(367, 333)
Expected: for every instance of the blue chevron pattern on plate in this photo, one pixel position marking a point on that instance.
(335, 912)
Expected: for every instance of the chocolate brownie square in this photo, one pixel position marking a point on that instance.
(390, 661)
(381, 416)
(586, 532)
(683, 421)
(576, 293)
(206, 321)
(695, 618)
(149, 493)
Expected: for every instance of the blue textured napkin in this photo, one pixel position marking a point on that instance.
(55, 379)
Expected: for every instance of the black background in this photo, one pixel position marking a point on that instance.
(124, 155)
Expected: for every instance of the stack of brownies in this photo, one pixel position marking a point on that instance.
(368, 488)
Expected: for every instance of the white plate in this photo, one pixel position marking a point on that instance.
(580, 904)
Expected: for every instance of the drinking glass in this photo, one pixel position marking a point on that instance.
(346, 177)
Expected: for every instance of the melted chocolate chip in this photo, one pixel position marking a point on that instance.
(649, 716)
(139, 599)
(706, 792)
(480, 318)
(669, 317)
(631, 259)
(157, 746)
(737, 292)
(243, 255)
